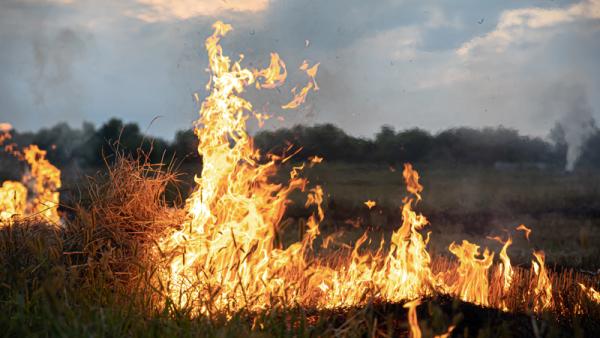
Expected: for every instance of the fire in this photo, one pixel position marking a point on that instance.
(370, 204)
(228, 256)
(13, 200)
(45, 180)
(591, 293)
(413, 322)
(5, 127)
(42, 179)
(542, 286)
(471, 284)
(300, 97)
(506, 271)
(226, 249)
(315, 160)
(525, 229)
(274, 76)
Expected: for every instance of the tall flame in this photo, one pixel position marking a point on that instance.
(226, 248)
(542, 286)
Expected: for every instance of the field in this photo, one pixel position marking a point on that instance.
(561, 209)
(78, 281)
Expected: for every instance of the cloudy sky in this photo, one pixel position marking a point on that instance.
(429, 64)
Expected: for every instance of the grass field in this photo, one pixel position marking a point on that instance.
(91, 278)
(562, 209)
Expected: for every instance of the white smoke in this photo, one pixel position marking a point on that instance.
(578, 124)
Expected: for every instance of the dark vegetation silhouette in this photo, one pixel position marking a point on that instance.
(87, 147)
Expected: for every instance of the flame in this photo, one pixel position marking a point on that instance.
(300, 97)
(591, 293)
(525, 229)
(311, 72)
(413, 322)
(226, 249)
(471, 283)
(542, 286)
(506, 271)
(315, 160)
(412, 181)
(45, 179)
(5, 127)
(274, 75)
(228, 254)
(13, 200)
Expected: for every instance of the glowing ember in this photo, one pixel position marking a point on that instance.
(370, 204)
(315, 160)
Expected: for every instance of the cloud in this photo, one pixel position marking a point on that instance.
(518, 25)
(385, 62)
(166, 10)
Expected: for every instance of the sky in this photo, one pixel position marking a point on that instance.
(427, 64)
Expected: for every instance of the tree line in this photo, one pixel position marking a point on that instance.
(89, 146)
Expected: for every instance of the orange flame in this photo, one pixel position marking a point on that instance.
(471, 284)
(228, 254)
(413, 322)
(590, 292)
(315, 160)
(274, 75)
(5, 127)
(43, 179)
(226, 248)
(525, 229)
(300, 97)
(13, 200)
(542, 287)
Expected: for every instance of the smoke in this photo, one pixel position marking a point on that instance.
(54, 58)
(577, 124)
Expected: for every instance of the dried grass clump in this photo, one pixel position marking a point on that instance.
(113, 236)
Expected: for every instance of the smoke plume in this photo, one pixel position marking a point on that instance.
(577, 125)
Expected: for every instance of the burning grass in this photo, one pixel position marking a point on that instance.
(218, 263)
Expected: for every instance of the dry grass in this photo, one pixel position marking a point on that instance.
(96, 276)
(125, 213)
